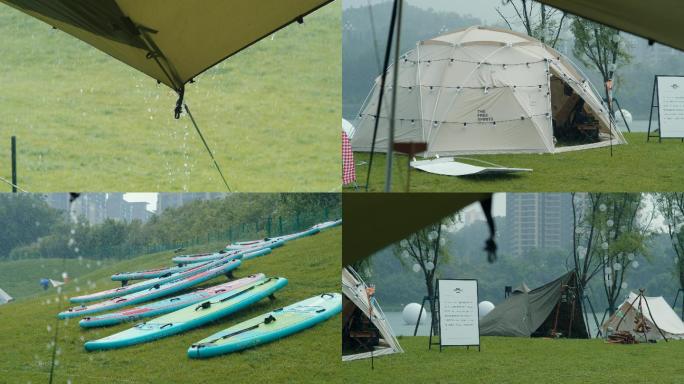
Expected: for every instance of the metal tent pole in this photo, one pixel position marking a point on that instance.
(392, 122)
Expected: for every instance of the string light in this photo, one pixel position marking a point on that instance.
(436, 123)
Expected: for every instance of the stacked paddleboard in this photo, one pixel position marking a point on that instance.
(164, 306)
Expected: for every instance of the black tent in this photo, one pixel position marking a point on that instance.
(552, 310)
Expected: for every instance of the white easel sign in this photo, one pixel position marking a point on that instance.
(671, 106)
(458, 313)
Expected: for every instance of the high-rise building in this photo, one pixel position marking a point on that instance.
(175, 200)
(538, 221)
(116, 206)
(137, 211)
(58, 201)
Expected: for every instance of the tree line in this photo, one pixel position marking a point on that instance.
(32, 229)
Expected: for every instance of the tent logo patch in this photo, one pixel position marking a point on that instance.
(675, 86)
(483, 116)
(458, 290)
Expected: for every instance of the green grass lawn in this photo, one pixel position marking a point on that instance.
(86, 122)
(524, 360)
(311, 264)
(636, 167)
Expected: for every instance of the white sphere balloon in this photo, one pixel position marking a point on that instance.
(484, 308)
(411, 312)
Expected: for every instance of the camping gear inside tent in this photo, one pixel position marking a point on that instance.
(637, 314)
(5, 297)
(552, 310)
(365, 330)
(487, 90)
(656, 20)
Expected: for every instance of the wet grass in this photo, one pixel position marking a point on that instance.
(311, 264)
(524, 360)
(636, 167)
(85, 121)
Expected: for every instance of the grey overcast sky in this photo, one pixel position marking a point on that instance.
(482, 9)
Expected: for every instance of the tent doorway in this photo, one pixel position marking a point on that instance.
(365, 330)
(573, 122)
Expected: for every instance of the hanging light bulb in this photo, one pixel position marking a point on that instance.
(602, 208)
(430, 266)
(416, 268)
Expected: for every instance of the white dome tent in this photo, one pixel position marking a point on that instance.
(485, 90)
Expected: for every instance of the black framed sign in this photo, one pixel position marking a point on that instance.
(668, 99)
(458, 313)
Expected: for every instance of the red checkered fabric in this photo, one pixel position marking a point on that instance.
(348, 170)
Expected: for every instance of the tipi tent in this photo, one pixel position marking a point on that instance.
(362, 320)
(4, 297)
(660, 313)
(554, 309)
(487, 90)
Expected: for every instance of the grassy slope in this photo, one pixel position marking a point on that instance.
(636, 167)
(312, 267)
(85, 121)
(520, 360)
(20, 277)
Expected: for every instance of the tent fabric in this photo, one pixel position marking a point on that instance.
(479, 90)
(660, 313)
(5, 297)
(354, 290)
(533, 313)
(657, 20)
(172, 41)
(376, 220)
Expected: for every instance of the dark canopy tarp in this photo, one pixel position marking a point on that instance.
(170, 40)
(537, 313)
(373, 221)
(658, 20)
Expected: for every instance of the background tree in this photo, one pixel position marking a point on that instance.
(671, 207)
(24, 218)
(610, 233)
(601, 48)
(424, 252)
(539, 20)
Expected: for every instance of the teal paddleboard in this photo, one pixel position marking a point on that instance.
(190, 317)
(269, 327)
